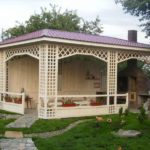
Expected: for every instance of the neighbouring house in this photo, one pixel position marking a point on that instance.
(65, 74)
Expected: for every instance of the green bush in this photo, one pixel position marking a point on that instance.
(120, 111)
(126, 112)
(142, 115)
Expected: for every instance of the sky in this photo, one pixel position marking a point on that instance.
(114, 20)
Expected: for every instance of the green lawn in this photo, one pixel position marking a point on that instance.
(97, 136)
(90, 135)
(42, 125)
(7, 112)
(3, 123)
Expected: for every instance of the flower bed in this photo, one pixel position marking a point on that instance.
(69, 105)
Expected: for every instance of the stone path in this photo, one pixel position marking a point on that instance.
(24, 121)
(27, 143)
(17, 144)
(10, 116)
(58, 132)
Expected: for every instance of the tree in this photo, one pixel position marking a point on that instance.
(139, 8)
(54, 18)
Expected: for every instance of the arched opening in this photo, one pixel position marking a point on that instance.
(23, 74)
(82, 75)
(82, 79)
(133, 79)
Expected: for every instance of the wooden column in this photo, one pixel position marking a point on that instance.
(112, 79)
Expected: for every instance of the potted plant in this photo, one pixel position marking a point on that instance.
(95, 103)
(68, 103)
(8, 99)
(17, 100)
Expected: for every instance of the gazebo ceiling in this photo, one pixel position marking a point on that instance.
(75, 36)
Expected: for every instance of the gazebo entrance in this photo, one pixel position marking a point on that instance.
(22, 83)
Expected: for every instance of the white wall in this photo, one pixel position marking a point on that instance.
(73, 77)
(23, 72)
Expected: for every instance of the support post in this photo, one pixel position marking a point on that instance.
(43, 80)
(112, 79)
(23, 102)
(56, 74)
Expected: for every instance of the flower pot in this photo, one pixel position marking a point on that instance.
(95, 103)
(8, 99)
(18, 101)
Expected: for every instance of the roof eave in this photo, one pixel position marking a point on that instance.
(66, 41)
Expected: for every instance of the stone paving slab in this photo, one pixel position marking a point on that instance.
(13, 134)
(17, 144)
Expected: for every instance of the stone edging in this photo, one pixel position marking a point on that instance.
(58, 132)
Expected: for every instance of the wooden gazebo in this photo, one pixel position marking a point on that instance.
(32, 61)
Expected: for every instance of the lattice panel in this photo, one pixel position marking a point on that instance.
(43, 67)
(32, 50)
(2, 71)
(41, 112)
(48, 79)
(66, 51)
(112, 72)
(125, 55)
(51, 113)
(111, 109)
(52, 70)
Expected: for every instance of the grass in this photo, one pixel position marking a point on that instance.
(3, 123)
(42, 125)
(7, 112)
(97, 136)
(90, 135)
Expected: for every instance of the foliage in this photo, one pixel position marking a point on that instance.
(54, 18)
(126, 112)
(140, 64)
(3, 123)
(122, 66)
(68, 101)
(142, 115)
(120, 111)
(139, 8)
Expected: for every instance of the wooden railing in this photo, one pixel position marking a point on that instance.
(89, 100)
(12, 101)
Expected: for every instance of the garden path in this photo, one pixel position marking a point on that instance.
(58, 132)
(24, 121)
(17, 144)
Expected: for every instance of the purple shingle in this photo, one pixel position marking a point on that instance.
(74, 36)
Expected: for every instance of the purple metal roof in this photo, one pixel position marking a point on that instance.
(74, 36)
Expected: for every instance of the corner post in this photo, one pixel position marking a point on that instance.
(112, 80)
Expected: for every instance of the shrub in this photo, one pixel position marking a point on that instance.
(126, 112)
(120, 111)
(142, 115)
